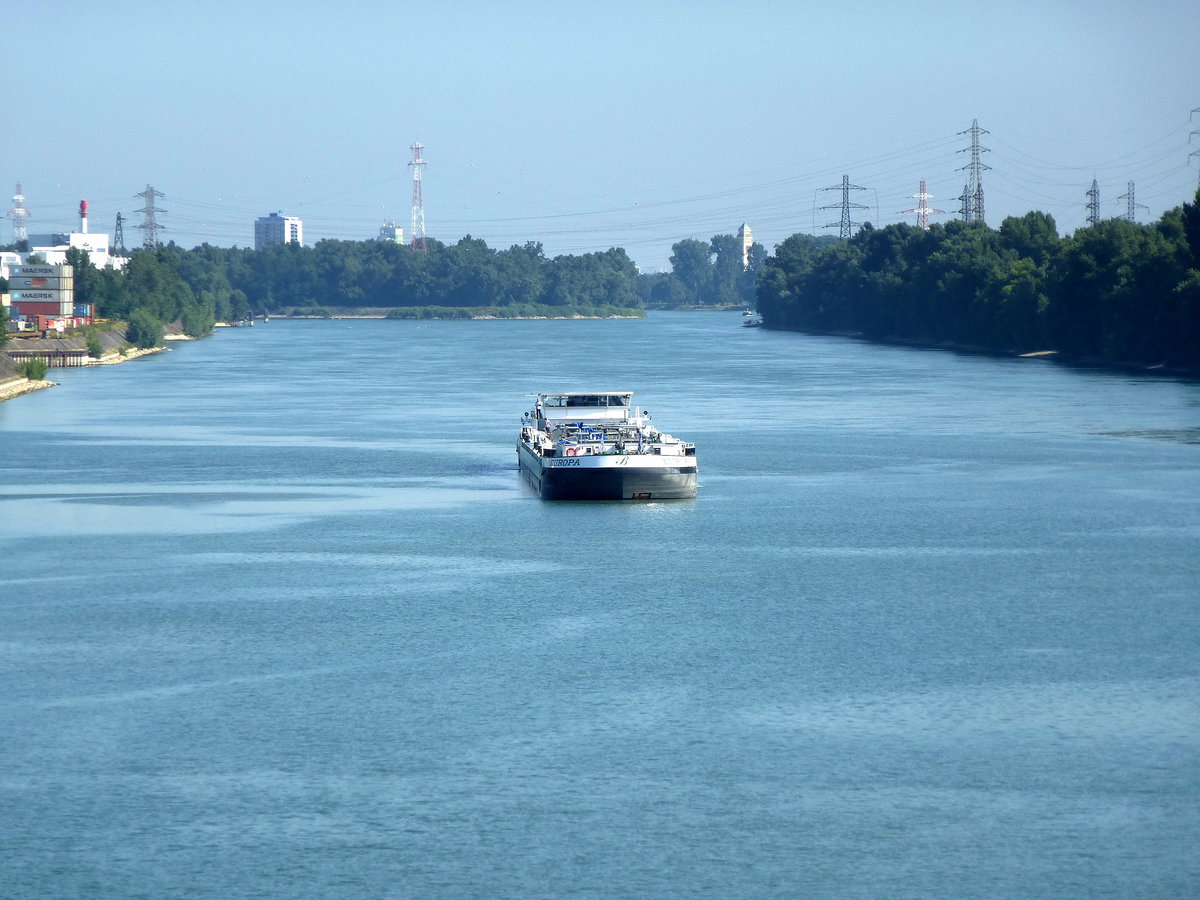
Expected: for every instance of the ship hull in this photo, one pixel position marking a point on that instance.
(610, 478)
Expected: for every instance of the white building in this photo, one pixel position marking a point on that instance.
(391, 232)
(53, 248)
(277, 229)
(8, 259)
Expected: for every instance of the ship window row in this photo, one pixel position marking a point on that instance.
(589, 401)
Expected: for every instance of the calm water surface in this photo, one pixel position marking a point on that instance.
(278, 618)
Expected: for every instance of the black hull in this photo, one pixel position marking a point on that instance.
(665, 483)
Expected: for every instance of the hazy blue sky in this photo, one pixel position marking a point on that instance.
(590, 125)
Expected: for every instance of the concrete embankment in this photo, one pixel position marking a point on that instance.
(64, 352)
(15, 387)
(13, 383)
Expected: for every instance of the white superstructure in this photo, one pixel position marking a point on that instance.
(579, 445)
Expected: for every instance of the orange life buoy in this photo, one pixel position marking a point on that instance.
(571, 451)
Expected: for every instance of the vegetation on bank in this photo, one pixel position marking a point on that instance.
(704, 274)
(152, 291)
(1115, 292)
(207, 284)
(35, 369)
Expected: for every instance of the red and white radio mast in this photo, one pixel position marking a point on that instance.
(922, 208)
(418, 206)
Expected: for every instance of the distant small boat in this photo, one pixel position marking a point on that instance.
(751, 319)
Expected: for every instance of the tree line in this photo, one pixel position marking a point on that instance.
(208, 284)
(704, 273)
(1115, 292)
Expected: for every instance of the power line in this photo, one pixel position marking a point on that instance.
(149, 223)
(418, 203)
(1093, 195)
(922, 208)
(845, 225)
(1132, 205)
(972, 195)
(1190, 155)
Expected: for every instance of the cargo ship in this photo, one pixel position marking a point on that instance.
(578, 445)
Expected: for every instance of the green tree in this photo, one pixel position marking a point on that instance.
(145, 329)
(199, 316)
(1032, 236)
(88, 282)
(691, 263)
(748, 280)
(726, 269)
(35, 369)
(151, 283)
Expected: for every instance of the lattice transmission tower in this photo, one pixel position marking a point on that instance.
(1131, 205)
(922, 209)
(418, 203)
(1195, 153)
(150, 225)
(1093, 206)
(119, 235)
(19, 214)
(972, 196)
(845, 225)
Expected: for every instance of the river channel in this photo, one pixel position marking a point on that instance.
(278, 618)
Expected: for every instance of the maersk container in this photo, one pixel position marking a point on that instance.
(43, 296)
(43, 271)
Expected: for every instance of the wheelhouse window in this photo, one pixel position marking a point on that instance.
(601, 401)
(586, 401)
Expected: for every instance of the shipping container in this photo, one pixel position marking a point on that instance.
(43, 271)
(40, 282)
(43, 296)
(28, 309)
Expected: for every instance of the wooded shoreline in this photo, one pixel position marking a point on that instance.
(1054, 356)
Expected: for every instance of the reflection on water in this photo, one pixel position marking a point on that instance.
(1175, 435)
(197, 512)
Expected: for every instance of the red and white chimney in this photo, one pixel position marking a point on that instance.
(83, 216)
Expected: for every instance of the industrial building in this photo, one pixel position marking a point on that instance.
(391, 233)
(277, 229)
(53, 247)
